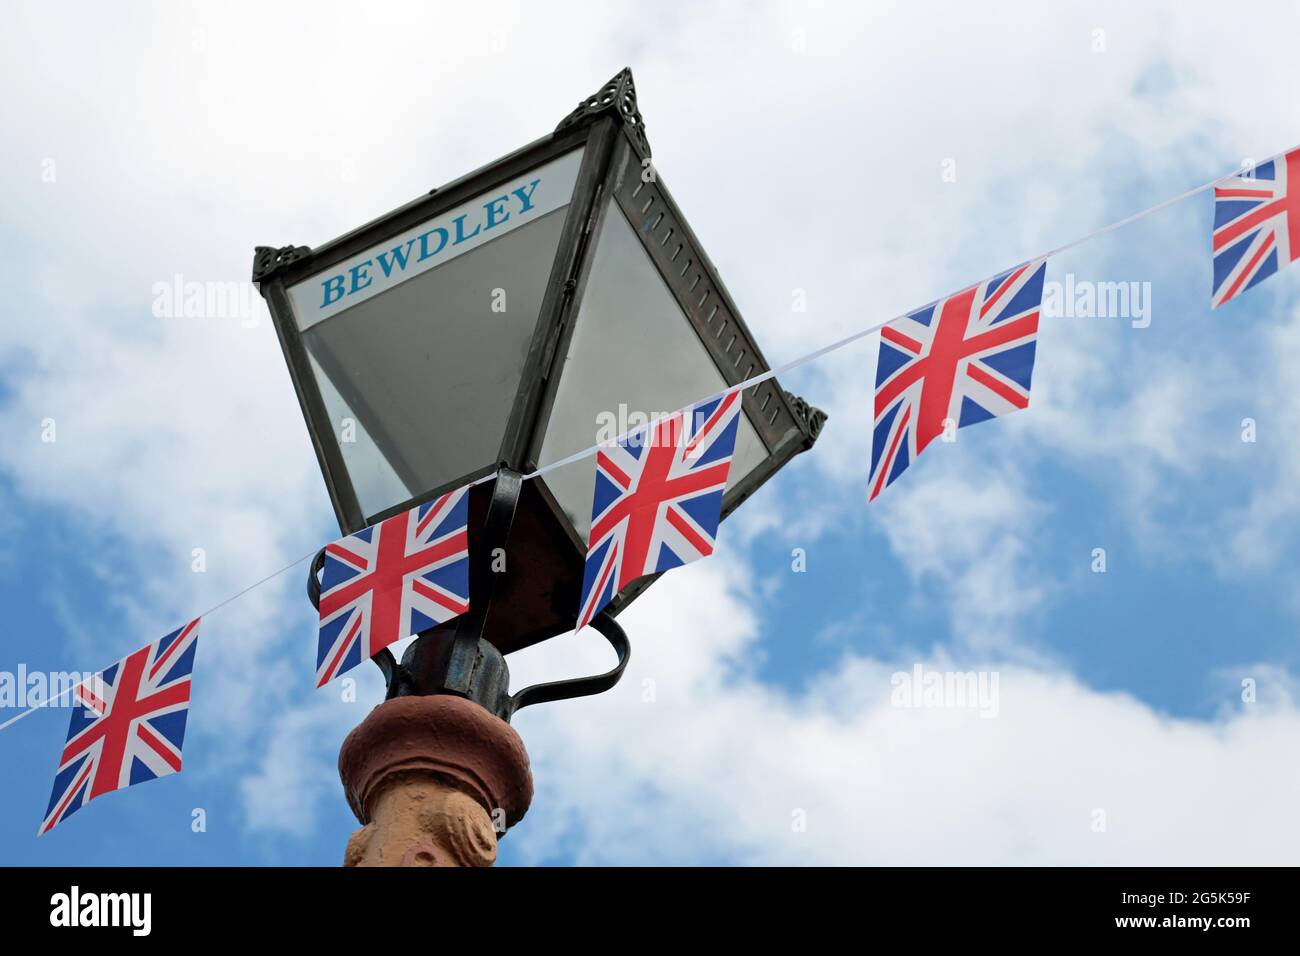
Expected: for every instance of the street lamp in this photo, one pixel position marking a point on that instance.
(498, 325)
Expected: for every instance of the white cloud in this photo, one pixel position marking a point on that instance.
(719, 764)
(1255, 541)
(284, 792)
(966, 527)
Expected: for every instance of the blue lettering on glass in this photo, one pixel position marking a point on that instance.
(496, 215)
(396, 260)
(358, 271)
(526, 197)
(333, 284)
(424, 242)
(399, 255)
(460, 229)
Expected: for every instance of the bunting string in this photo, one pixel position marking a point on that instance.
(48, 701)
(862, 333)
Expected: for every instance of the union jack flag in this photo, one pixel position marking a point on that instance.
(964, 360)
(402, 576)
(1256, 225)
(127, 725)
(658, 499)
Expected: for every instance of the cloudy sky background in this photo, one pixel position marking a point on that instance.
(806, 142)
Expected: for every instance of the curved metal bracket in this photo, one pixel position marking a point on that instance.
(420, 674)
(313, 578)
(392, 672)
(580, 686)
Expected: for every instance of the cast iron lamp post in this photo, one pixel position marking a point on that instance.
(496, 326)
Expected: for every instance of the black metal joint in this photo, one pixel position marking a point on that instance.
(268, 260)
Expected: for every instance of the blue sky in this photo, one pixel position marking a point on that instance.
(757, 696)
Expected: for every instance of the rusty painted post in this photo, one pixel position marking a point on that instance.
(434, 781)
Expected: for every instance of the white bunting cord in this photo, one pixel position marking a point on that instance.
(234, 597)
(749, 382)
(45, 703)
(876, 327)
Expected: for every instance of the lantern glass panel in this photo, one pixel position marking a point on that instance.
(420, 375)
(633, 356)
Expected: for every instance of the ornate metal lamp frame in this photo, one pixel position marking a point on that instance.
(609, 128)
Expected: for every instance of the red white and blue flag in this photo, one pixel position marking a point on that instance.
(964, 360)
(127, 725)
(1256, 225)
(402, 576)
(658, 499)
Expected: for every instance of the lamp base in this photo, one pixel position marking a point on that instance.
(434, 781)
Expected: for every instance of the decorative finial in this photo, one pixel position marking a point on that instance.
(616, 98)
(811, 415)
(267, 260)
